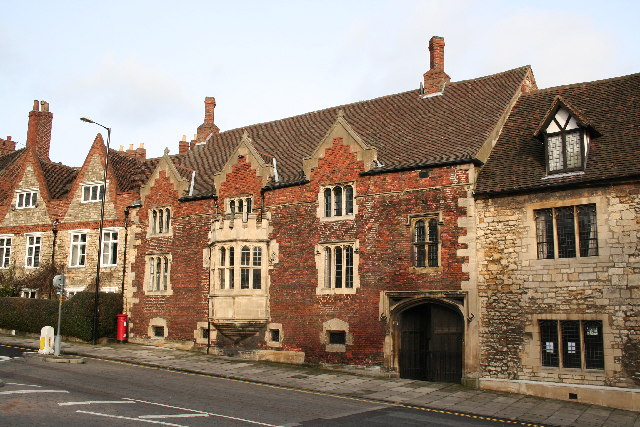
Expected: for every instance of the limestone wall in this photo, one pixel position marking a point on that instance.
(516, 289)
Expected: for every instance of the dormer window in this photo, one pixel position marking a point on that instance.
(26, 199)
(566, 143)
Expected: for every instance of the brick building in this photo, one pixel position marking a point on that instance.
(50, 213)
(423, 232)
(344, 235)
(558, 210)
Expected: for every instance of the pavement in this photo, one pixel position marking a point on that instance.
(443, 397)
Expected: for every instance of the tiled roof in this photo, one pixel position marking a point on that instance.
(8, 159)
(406, 129)
(130, 172)
(58, 178)
(612, 107)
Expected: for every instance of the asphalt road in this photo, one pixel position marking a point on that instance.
(101, 393)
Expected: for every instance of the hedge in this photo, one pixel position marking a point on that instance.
(30, 315)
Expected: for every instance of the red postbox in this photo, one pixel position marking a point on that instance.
(121, 328)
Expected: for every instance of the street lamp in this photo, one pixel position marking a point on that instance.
(94, 331)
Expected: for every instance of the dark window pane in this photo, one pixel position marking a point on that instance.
(338, 267)
(348, 200)
(544, 233)
(275, 335)
(327, 267)
(257, 278)
(244, 278)
(587, 230)
(419, 247)
(249, 207)
(231, 256)
(348, 280)
(337, 201)
(570, 343)
(158, 331)
(549, 342)
(433, 243)
(245, 255)
(337, 337)
(566, 232)
(593, 348)
(327, 202)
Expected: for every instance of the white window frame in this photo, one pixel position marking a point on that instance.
(78, 249)
(328, 264)
(330, 209)
(236, 272)
(109, 246)
(428, 242)
(160, 221)
(32, 260)
(26, 198)
(28, 293)
(5, 250)
(93, 196)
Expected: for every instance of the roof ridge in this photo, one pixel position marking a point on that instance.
(350, 104)
(572, 85)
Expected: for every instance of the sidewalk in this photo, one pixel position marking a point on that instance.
(438, 396)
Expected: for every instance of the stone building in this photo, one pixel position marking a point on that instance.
(558, 222)
(342, 236)
(50, 213)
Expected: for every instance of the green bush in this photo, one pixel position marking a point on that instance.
(30, 315)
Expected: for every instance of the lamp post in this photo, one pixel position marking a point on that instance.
(94, 331)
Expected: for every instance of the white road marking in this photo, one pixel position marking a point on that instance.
(172, 416)
(120, 417)
(91, 402)
(203, 412)
(5, 358)
(26, 385)
(32, 391)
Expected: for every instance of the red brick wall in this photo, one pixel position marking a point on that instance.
(189, 279)
(384, 202)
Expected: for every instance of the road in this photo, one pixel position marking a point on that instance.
(102, 393)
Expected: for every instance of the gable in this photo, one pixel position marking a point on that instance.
(341, 132)
(246, 152)
(29, 213)
(165, 168)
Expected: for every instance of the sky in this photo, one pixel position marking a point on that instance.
(143, 68)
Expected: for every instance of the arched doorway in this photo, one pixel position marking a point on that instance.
(431, 343)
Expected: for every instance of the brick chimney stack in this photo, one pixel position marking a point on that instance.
(7, 146)
(139, 152)
(39, 129)
(435, 79)
(208, 126)
(183, 145)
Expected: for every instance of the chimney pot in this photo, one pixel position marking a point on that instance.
(36, 105)
(184, 138)
(141, 145)
(121, 148)
(130, 146)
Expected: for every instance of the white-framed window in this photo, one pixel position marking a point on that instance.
(567, 231)
(28, 293)
(338, 267)
(109, 247)
(240, 266)
(78, 249)
(32, 253)
(92, 192)
(5, 251)
(425, 241)
(240, 206)
(338, 200)
(158, 269)
(160, 219)
(27, 198)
